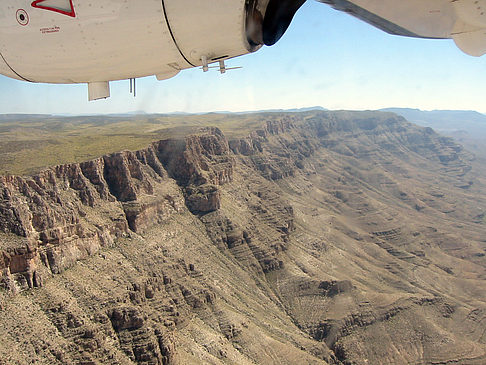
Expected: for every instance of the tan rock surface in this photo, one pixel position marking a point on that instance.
(341, 238)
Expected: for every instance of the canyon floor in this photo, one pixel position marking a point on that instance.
(281, 238)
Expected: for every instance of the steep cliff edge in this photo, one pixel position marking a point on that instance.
(320, 237)
(69, 212)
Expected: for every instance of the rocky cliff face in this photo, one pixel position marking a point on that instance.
(69, 212)
(319, 238)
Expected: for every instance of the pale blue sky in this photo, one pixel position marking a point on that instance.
(327, 58)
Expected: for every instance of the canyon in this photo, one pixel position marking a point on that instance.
(317, 238)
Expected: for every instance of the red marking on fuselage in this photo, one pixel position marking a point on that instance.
(71, 13)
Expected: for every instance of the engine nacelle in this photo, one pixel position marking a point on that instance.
(87, 41)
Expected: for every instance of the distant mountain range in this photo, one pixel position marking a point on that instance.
(14, 117)
(438, 119)
(294, 110)
(465, 126)
(445, 120)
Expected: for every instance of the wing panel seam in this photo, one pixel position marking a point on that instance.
(11, 69)
(172, 35)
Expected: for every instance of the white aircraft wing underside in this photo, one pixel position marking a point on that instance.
(98, 41)
(462, 20)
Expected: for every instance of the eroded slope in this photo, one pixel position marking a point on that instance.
(320, 238)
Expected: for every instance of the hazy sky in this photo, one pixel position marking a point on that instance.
(326, 58)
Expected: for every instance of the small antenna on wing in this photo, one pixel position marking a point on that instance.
(133, 87)
(204, 61)
(221, 68)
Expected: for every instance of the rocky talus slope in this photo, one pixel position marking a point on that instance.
(320, 238)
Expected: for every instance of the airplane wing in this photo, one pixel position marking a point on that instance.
(77, 41)
(462, 20)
